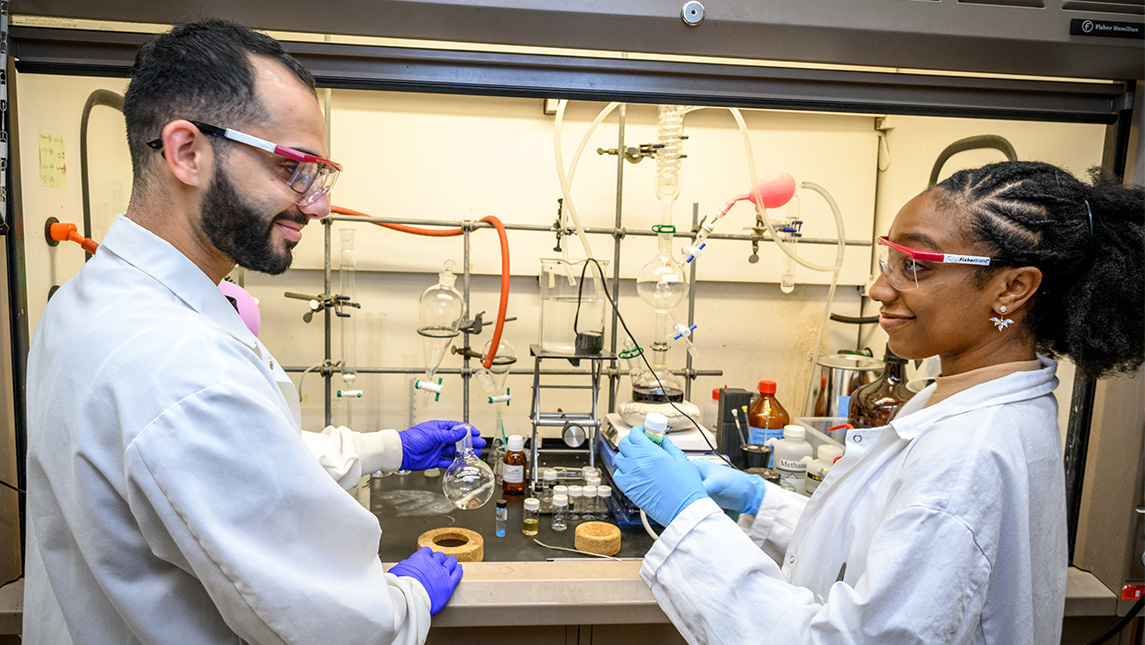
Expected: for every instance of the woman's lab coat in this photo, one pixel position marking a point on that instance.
(950, 523)
(171, 498)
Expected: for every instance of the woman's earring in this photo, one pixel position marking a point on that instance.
(1001, 323)
(1002, 309)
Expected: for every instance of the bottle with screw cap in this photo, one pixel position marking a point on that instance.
(532, 519)
(817, 469)
(788, 453)
(513, 475)
(502, 516)
(766, 418)
(560, 503)
(576, 502)
(589, 511)
(604, 513)
(655, 427)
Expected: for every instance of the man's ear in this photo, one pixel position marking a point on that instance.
(188, 154)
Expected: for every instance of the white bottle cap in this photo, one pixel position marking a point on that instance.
(560, 500)
(550, 474)
(532, 504)
(575, 491)
(589, 471)
(560, 489)
(593, 481)
(516, 443)
(589, 491)
(792, 431)
(829, 453)
(656, 422)
(604, 491)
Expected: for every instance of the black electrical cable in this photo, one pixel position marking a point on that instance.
(1121, 624)
(604, 286)
(18, 490)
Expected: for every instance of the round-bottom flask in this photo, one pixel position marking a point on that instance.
(468, 482)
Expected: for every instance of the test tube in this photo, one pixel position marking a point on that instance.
(602, 495)
(502, 516)
(576, 502)
(560, 502)
(532, 522)
(589, 512)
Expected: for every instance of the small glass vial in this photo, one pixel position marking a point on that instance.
(532, 521)
(588, 513)
(589, 472)
(502, 516)
(548, 481)
(559, 489)
(576, 502)
(560, 503)
(513, 476)
(603, 513)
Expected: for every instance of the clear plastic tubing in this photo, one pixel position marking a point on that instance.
(566, 180)
(560, 503)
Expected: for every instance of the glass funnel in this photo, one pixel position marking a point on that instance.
(468, 482)
(440, 310)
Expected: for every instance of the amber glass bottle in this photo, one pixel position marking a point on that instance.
(767, 416)
(513, 477)
(875, 404)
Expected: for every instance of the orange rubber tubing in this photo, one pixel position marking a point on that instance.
(451, 232)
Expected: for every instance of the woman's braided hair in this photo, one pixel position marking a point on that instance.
(1091, 304)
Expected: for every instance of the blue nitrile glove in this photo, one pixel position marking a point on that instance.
(732, 489)
(430, 444)
(437, 572)
(658, 479)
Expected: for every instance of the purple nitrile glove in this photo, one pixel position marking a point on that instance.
(430, 444)
(658, 479)
(732, 489)
(437, 572)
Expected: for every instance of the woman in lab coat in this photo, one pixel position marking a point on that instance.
(947, 525)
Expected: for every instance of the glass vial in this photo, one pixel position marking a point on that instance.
(548, 481)
(576, 502)
(532, 521)
(588, 510)
(603, 514)
(502, 516)
(560, 503)
(513, 475)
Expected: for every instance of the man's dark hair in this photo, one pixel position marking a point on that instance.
(201, 71)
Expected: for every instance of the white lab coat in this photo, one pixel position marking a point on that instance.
(951, 522)
(171, 498)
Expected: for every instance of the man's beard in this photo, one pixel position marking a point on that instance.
(241, 233)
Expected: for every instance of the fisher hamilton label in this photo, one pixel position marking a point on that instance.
(1107, 28)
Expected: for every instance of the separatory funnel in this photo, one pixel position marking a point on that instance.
(492, 382)
(468, 482)
(440, 310)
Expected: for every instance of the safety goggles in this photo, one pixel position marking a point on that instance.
(906, 268)
(312, 177)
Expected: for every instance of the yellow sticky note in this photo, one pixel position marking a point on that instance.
(53, 165)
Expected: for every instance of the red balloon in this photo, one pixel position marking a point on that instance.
(776, 188)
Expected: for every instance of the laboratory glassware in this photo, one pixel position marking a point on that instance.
(576, 501)
(440, 311)
(502, 517)
(562, 323)
(468, 482)
(532, 520)
(513, 474)
(560, 503)
(875, 404)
